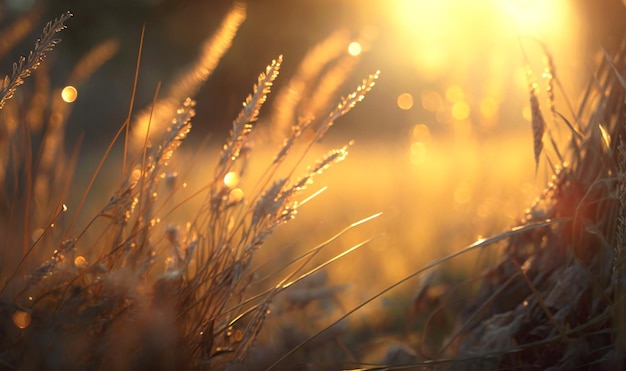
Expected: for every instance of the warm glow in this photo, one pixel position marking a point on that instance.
(355, 48)
(21, 319)
(80, 262)
(405, 101)
(450, 36)
(532, 15)
(231, 180)
(69, 94)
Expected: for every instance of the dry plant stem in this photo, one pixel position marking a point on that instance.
(144, 160)
(123, 129)
(126, 124)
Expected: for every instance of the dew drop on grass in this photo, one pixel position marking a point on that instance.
(21, 319)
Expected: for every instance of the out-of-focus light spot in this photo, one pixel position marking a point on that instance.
(80, 262)
(444, 117)
(527, 113)
(432, 101)
(418, 153)
(355, 48)
(462, 194)
(235, 195)
(237, 335)
(21, 319)
(488, 108)
(460, 110)
(420, 133)
(454, 94)
(135, 175)
(405, 101)
(69, 94)
(231, 180)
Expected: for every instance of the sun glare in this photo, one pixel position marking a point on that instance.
(450, 35)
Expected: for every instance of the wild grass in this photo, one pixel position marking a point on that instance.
(165, 273)
(126, 288)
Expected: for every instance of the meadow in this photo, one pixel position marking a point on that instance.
(286, 245)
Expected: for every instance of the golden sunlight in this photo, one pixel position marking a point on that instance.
(69, 94)
(450, 35)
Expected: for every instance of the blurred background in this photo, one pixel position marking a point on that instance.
(443, 145)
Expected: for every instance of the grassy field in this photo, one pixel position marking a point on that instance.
(272, 249)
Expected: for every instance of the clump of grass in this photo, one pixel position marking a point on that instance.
(556, 297)
(125, 289)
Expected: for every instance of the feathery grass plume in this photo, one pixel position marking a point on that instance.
(346, 104)
(25, 66)
(242, 125)
(286, 109)
(191, 79)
